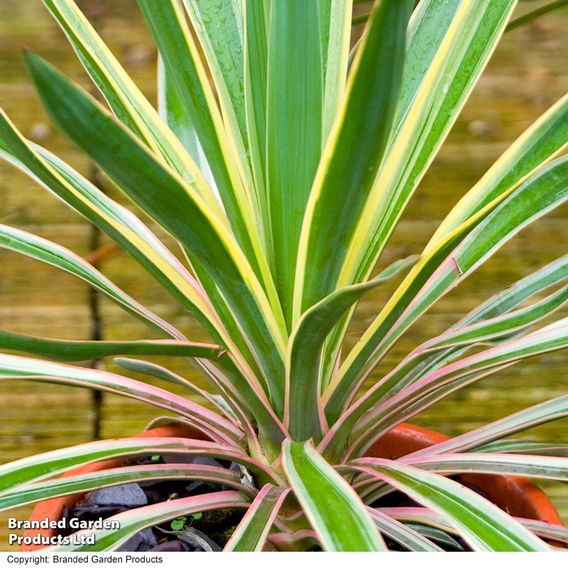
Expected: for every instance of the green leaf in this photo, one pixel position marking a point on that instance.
(554, 409)
(471, 37)
(240, 347)
(123, 96)
(539, 467)
(219, 28)
(433, 354)
(37, 467)
(482, 524)
(67, 350)
(189, 81)
(437, 535)
(69, 485)
(352, 156)
(547, 530)
(547, 137)
(55, 255)
(490, 323)
(421, 516)
(139, 241)
(332, 507)
(250, 534)
(111, 218)
(304, 364)
(135, 520)
(294, 130)
(245, 389)
(536, 282)
(178, 524)
(171, 203)
(447, 265)
(430, 24)
(426, 31)
(212, 424)
(524, 447)
(441, 382)
(349, 378)
(256, 16)
(536, 13)
(502, 326)
(406, 536)
(159, 372)
(335, 21)
(449, 345)
(172, 112)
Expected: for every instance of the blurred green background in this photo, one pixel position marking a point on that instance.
(528, 73)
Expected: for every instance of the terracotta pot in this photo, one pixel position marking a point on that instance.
(516, 495)
(52, 509)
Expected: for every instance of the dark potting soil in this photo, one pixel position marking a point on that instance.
(201, 532)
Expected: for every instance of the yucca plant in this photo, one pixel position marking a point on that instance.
(281, 163)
